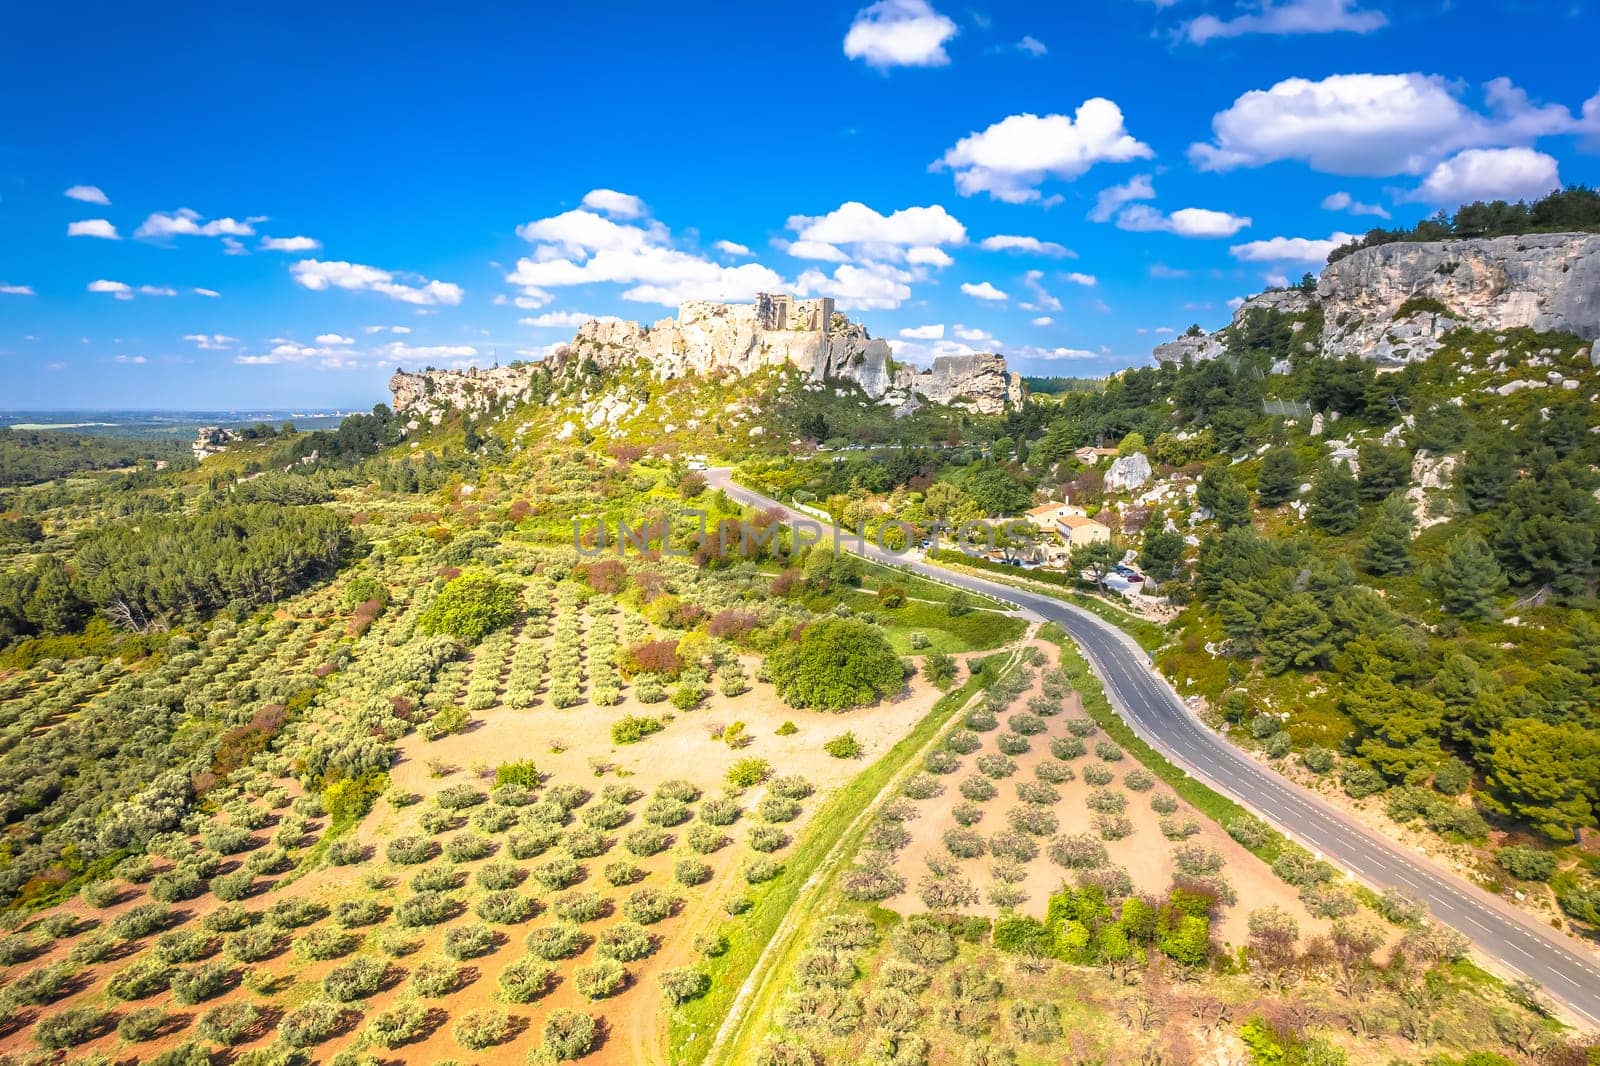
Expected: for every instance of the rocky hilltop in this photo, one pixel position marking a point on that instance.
(1394, 303)
(707, 338)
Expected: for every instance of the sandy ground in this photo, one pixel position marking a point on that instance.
(1146, 854)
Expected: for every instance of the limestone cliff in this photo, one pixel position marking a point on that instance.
(1549, 282)
(707, 338)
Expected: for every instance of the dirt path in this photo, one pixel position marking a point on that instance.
(809, 897)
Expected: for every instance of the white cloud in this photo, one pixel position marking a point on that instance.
(334, 338)
(1161, 270)
(1075, 278)
(1289, 249)
(928, 256)
(581, 248)
(1489, 174)
(212, 293)
(1032, 245)
(1033, 46)
(89, 194)
(135, 360)
(290, 244)
(1042, 320)
(923, 333)
(1288, 17)
(916, 351)
(157, 290)
(319, 275)
(1235, 303)
(867, 287)
(731, 248)
(550, 319)
(614, 203)
(1042, 300)
(1055, 354)
(400, 350)
(121, 290)
(871, 235)
(1138, 187)
(188, 223)
(233, 247)
(817, 250)
(983, 291)
(1012, 158)
(899, 33)
(1377, 124)
(1343, 201)
(16, 290)
(213, 342)
(1185, 222)
(93, 227)
(971, 333)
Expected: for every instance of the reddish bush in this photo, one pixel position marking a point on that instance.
(449, 573)
(651, 584)
(686, 615)
(655, 657)
(519, 510)
(788, 581)
(732, 624)
(608, 576)
(366, 612)
(627, 453)
(692, 485)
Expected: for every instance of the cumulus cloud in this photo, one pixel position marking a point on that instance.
(289, 244)
(1289, 249)
(334, 338)
(1042, 320)
(899, 33)
(1030, 245)
(923, 333)
(1138, 187)
(1343, 201)
(157, 290)
(1288, 17)
(1012, 158)
(552, 319)
(93, 227)
(187, 223)
(818, 250)
(731, 248)
(864, 287)
(971, 333)
(1033, 47)
(319, 275)
(1050, 355)
(983, 291)
(1185, 222)
(211, 293)
(1076, 278)
(925, 256)
(1489, 174)
(1377, 124)
(614, 203)
(7, 289)
(580, 247)
(211, 342)
(89, 194)
(121, 290)
(868, 234)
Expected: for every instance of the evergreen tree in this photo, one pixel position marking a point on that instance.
(1279, 479)
(1466, 578)
(1097, 558)
(1161, 554)
(1472, 707)
(1221, 493)
(1399, 726)
(1295, 633)
(1547, 774)
(1388, 546)
(1487, 473)
(1335, 504)
(1384, 470)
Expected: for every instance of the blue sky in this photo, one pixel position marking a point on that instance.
(274, 205)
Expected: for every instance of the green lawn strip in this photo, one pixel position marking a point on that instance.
(694, 1025)
(1149, 635)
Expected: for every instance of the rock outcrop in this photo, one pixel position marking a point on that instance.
(1548, 282)
(1129, 473)
(707, 338)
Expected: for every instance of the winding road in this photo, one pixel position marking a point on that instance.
(1510, 940)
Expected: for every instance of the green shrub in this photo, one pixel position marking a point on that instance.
(553, 943)
(599, 979)
(1525, 863)
(683, 984)
(470, 607)
(837, 663)
(435, 977)
(141, 1024)
(568, 1035)
(399, 1025)
(310, 1023)
(844, 746)
(749, 772)
(356, 979)
(632, 729)
(73, 1027)
(468, 941)
(482, 1028)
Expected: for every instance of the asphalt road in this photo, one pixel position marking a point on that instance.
(1513, 942)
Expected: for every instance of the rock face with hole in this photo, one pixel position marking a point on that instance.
(1549, 282)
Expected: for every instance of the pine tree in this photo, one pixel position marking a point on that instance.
(1466, 578)
(1388, 546)
(1545, 773)
(1161, 554)
(1335, 504)
(1221, 493)
(1280, 477)
(1296, 633)
(1384, 470)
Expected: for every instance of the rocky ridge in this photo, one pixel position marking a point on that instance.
(707, 338)
(1394, 303)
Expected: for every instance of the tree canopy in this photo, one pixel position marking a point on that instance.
(837, 664)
